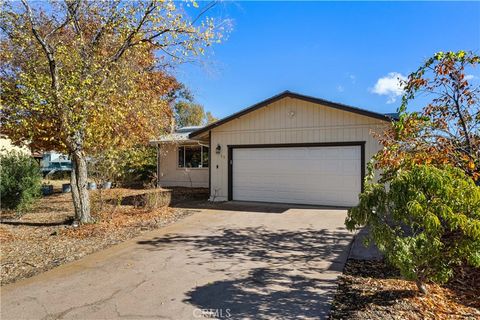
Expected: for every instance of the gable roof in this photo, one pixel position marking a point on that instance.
(289, 94)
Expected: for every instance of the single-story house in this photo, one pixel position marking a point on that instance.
(181, 161)
(290, 148)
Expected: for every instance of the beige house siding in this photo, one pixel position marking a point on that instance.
(173, 176)
(6, 146)
(288, 120)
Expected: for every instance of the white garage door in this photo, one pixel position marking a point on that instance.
(303, 175)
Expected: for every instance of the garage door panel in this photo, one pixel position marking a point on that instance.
(276, 184)
(309, 175)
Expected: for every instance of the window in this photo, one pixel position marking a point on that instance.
(193, 157)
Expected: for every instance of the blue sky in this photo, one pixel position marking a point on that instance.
(338, 51)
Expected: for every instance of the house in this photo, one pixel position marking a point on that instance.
(181, 161)
(290, 148)
(53, 162)
(6, 146)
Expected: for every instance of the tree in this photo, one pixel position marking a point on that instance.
(135, 165)
(422, 213)
(426, 222)
(79, 76)
(188, 113)
(210, 118)
(447, 129)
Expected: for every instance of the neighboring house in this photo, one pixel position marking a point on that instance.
(7, 146)
(53, 162)
(290, 148)
(50, 162)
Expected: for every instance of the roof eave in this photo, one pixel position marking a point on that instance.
(289, 94)
(155, 142)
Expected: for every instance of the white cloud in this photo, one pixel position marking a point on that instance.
(390, 86)
(469, 77)
(353, 78)
(340, 88)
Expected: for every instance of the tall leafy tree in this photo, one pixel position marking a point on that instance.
(189, 114)
(447, 129)
(77, 76)
(210, 118)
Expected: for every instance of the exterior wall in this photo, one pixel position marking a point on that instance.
(53, 161)
(173, 176)
(288, 121)
(6, 146)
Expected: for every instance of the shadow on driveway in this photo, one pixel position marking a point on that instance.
(300, 250)
(265, 294)
(248, 206)
(286, 274)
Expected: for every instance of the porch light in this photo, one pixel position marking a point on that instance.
(218, 149)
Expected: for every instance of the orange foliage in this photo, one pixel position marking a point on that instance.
(447, 129)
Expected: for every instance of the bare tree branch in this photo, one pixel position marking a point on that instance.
(45, 46)
(126, 44)
(209, 6)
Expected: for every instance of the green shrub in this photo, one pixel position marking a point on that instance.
(20, 181)
(130, 167)
(140, 164)
(427, 221)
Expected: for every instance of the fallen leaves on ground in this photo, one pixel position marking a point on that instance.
(44, 238)
(373, 290)
(5, 234)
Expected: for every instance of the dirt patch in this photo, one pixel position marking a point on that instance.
(373, 290)
(43, 238)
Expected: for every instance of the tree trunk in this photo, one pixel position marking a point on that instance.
(78, 179)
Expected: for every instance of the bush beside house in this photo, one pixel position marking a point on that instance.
(20, 181)
(134, 167)
(426, 222)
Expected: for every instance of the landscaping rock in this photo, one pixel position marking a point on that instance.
(361, 252)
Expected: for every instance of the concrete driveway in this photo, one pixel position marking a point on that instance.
(237, 261)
